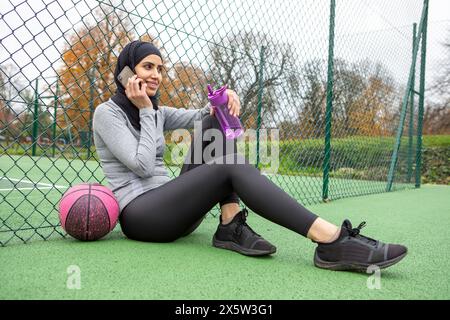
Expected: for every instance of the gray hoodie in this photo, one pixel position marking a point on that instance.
(132, 160)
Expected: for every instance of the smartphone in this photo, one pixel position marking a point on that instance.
(124, 75)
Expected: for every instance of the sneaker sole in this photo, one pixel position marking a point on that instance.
(235, 247)
(351, 266)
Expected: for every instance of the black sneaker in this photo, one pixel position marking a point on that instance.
(238, 236)
(353, 251)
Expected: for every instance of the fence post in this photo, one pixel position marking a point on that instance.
(35, 119)
(411, 112)
(421, 98)
(260, 94)
(328, 117)
(55, 114)
(91, 109)
(405, 100)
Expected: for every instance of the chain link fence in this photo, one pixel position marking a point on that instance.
(331, 76)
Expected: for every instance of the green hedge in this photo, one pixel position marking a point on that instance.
(436, 159)
(436, 165)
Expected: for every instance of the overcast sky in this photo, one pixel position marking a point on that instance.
(380, 30)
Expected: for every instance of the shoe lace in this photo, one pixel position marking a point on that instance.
(355, 232)
(243, 223)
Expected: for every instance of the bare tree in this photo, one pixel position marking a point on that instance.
(12, 101)
(364, 99)
(236, 62)
(436, 119)
(437, 110)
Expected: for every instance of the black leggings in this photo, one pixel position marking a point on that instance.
(177, 208)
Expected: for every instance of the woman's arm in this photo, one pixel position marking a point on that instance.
(138, 155)
(183, 118)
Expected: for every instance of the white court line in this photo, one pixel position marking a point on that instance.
(25, 189)
(28, 181)
(31, 188)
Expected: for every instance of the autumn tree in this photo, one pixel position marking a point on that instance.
(184, 86)
(369, 115)
(86, 77)
(91, 57)
(364, 99)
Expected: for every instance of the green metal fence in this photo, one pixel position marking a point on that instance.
(343, 83)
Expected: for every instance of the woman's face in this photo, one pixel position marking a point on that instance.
(150, 70)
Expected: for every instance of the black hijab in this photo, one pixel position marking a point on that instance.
(130, 56)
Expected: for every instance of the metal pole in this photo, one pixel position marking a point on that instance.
(405, 100)
(421, 99)
(260, 95)
(91, 109)
(328, 117)
(411, 112)
(54, 121)
(35, 119)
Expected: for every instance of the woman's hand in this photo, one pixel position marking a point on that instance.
(138, 96)
(234, 105)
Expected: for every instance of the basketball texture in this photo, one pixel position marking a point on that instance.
(88, 211)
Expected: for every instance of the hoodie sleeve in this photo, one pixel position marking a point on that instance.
(175, 118)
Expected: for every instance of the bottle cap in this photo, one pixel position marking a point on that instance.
(219, 96)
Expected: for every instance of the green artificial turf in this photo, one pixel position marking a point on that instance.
(190, 268)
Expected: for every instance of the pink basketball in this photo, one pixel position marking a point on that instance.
(88, 211)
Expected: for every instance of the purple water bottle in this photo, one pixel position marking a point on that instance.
(231, 125)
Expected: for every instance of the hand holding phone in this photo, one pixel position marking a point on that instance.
(135, 88)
